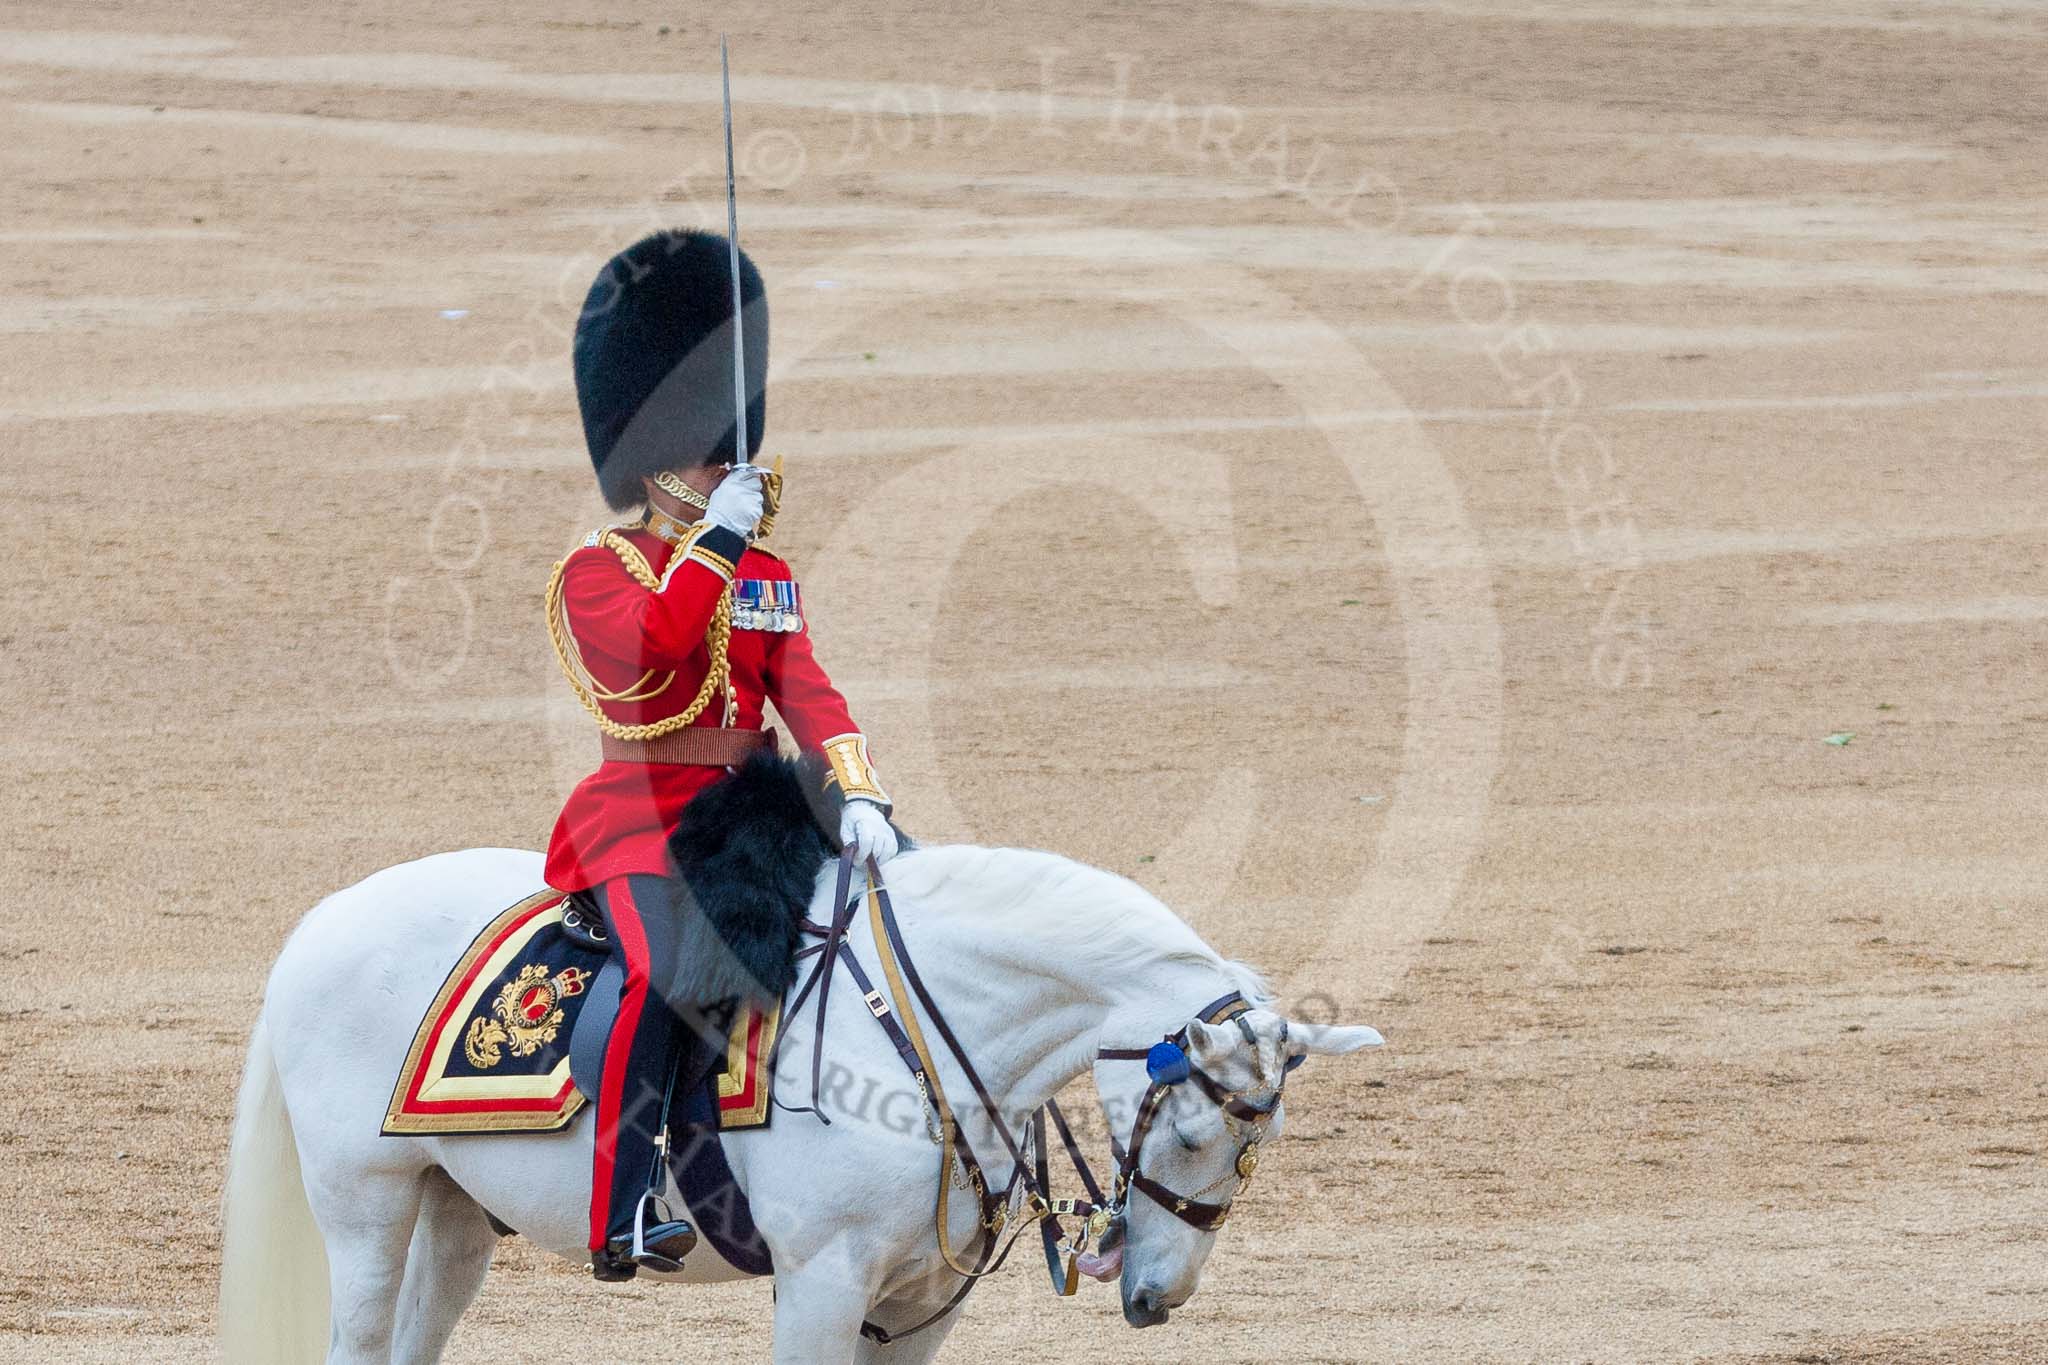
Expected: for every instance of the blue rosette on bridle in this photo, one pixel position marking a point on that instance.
(1166, 1064)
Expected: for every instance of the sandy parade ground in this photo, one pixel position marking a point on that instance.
(1526, 521)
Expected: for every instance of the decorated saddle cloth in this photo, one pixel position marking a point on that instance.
(492, 1053)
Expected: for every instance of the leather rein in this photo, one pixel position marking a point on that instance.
(1167, 1063)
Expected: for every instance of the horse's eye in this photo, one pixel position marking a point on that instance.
(1181, 1135)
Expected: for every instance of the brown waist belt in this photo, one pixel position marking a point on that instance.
(711, 748)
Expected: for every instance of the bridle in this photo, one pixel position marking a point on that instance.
(1167, 1063)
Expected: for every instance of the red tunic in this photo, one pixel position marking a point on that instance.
(617, 820)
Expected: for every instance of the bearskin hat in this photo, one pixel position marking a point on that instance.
(653, 357)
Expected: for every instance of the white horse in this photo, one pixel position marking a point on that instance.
(345, 1245)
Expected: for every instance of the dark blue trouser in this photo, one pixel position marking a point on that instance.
(636, 1060)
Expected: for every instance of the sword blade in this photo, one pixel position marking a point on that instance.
(732, 246)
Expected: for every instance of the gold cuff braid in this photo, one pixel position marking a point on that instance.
(851, 770)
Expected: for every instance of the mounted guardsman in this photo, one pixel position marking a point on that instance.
(357, 1243)
(676, 628)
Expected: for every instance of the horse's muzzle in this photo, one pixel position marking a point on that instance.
(1145, 1308)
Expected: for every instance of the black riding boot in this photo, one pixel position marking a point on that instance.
(661, 1246)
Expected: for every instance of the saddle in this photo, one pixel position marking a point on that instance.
(741, 1085)
(583, 924)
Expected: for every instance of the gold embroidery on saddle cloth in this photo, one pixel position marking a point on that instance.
(528, 1014)
(511, 1098)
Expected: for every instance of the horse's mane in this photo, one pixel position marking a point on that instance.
(749, 850)
(1072, 906)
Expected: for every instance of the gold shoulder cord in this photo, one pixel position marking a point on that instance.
(587, 688)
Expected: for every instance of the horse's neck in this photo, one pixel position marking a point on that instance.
(1031, 1007)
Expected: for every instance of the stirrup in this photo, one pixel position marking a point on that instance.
(662, 1245)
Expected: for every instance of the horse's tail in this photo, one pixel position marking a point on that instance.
(273, 1273)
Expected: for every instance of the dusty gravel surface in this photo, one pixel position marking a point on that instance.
(1416, 485)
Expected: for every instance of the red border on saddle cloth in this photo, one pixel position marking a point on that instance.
(743, 1089)
(425, 1100)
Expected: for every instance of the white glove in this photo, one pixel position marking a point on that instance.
(738, 501)
(864, 828)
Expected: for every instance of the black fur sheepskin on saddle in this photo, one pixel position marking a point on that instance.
(748, 848)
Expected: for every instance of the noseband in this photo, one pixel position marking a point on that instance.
(1167, 1063)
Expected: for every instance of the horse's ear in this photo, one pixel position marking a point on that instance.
(1258, 1039)
(1210, 1046)
(1329, 1040)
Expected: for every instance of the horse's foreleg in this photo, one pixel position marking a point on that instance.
(451, 1250)
(819, 1307)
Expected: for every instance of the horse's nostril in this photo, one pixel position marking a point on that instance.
(1145, 1307)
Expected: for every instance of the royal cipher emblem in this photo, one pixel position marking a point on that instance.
(525, 1016)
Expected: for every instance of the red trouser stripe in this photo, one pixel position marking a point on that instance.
(632, 939)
